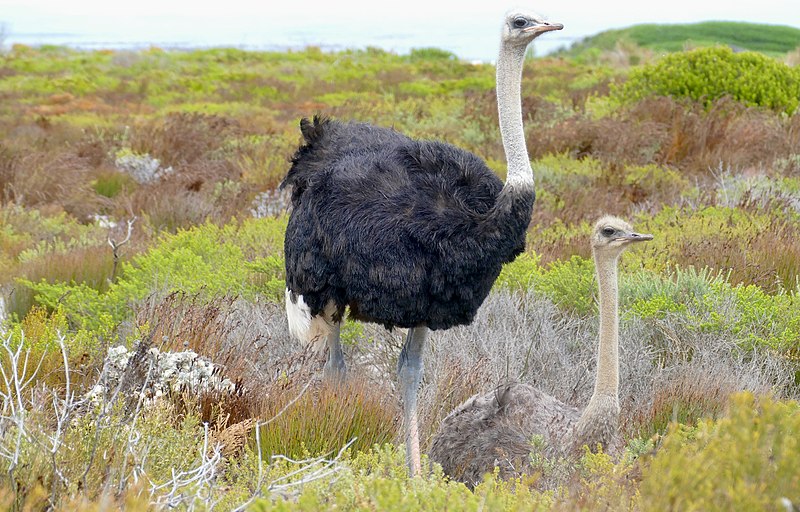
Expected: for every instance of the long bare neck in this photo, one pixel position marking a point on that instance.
(509, 107)
(607, 382)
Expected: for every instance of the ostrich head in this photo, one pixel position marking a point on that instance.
(613, 235)
(522, 27)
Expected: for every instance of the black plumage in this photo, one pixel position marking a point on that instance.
(405, 232)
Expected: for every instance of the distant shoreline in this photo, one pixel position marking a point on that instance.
(401, 44)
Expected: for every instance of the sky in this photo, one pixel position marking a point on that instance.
(469, 28)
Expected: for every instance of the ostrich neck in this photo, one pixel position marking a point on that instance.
(509, 108)
(607, 382)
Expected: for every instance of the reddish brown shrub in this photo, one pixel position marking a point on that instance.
(669, 132)
(608, 139)
(182, 138)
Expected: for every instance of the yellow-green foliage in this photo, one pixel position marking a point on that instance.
(745, 461)
(242, 258)
(40, 336)
(50, 247)
(521, 273)
(159, 441)
(98, 447)
(569, 284)
(111, 183)
(707, 74)
(651, 178)
(755, 316)
(378, 480)
(706, 301)
(27, 235)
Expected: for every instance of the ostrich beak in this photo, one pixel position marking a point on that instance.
(636, 237)
(546, 26)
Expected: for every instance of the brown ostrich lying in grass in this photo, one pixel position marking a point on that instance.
(495, 429)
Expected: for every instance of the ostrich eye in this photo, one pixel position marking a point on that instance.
(520, 22)
(608, 231)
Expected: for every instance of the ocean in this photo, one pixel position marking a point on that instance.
(472, 41)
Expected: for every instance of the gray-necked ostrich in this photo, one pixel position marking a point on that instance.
(406, 233)
(496, 428)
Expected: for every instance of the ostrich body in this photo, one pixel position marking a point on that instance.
(496, 428)
(406, 233)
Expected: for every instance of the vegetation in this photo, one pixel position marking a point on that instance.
(769, 39)
(140, 208)
(707, 74)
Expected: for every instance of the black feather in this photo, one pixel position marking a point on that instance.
(404, 232)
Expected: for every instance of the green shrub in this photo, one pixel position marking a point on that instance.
(428, 54)
(570, 284)
(754, 317)
(745, 461)
(41, 333)
(112, 183)
(705, 300)
(707, 74)
(85, 307)
(378, 480)
(53, 248)
(97, 448)
(649, 295)
(521, 273)
(242, 258)
(654, 179)
(674, 37)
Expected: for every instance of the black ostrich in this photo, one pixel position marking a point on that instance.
(406, 233)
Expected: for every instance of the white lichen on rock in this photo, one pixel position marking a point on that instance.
(170, 372)
(142, 168)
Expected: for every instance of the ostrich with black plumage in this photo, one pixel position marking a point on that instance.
(405, 233)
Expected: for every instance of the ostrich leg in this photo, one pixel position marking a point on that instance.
(334, 367)
(409, 369)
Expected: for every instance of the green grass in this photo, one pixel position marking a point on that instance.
(769, 39)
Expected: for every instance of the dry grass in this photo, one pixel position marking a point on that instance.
(248, 341)
(525, 338)
(669, 132)
(251, 345)
(180, 139)
(29, 181)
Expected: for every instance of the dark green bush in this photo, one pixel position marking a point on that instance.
(707, 74)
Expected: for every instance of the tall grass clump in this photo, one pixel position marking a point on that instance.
(324, 418)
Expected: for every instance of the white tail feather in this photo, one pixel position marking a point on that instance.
(305, 327)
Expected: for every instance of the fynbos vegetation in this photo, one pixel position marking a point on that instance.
(700, 148)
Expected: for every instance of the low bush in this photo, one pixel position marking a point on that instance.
(746, 460)
(707, 74)
(242, 258)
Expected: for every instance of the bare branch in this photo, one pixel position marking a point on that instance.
(116, 245)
